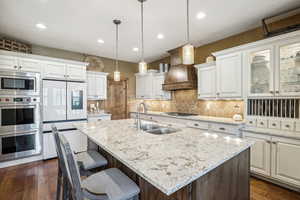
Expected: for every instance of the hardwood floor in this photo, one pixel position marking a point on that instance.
(37, 181)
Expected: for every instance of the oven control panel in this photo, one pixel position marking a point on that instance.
(12, 100)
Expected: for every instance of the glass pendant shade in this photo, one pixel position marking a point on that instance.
(117, 76)
(142, 67)
(188, 54)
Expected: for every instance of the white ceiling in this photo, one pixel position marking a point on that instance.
(76, 25)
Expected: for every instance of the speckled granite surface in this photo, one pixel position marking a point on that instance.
(169, 162)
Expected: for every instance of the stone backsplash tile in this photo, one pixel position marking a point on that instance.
(186, 101)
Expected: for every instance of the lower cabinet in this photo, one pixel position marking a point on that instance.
(276, 158)
(49, 148)
(77, 140)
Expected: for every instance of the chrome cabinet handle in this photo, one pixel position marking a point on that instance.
(287, 126)
(15, 66)
(273, 124)
(222, 129)
(261, 123)
(277, 92)
(271, 92)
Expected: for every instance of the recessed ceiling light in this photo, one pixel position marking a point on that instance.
(100, 41)
(41, 26)
(201, 15)
(160, 36)
(135, 49)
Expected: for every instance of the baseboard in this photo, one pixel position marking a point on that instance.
(20, 161)
(276, 182)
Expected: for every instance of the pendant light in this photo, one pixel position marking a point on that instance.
(117, 75)
(142, 64)
(188, 49)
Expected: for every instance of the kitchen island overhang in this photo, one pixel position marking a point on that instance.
(174, 164)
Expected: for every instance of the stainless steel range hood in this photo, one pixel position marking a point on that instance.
(179, 77)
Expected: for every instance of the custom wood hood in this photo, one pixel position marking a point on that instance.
(179, 77)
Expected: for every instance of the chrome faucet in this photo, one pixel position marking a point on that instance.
(138, 115)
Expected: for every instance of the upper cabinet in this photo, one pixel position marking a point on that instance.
(221, 79)
(260, 65)
(149, 86)
(206, 80)
(229, 76)
(56, 70)
(97, 85)
(19, 63)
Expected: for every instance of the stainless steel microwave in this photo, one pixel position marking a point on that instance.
(19, 83)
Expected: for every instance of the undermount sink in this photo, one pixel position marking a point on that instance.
(157, 129)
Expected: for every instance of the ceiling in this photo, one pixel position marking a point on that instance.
(76, 25)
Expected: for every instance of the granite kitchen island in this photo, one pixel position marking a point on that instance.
(187, 164)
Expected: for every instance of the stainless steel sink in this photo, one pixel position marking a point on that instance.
(157, 129)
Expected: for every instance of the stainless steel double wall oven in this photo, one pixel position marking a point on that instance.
(20, 114)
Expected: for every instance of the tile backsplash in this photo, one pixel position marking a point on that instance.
(186, 101)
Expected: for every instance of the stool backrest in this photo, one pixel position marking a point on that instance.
(69, 164)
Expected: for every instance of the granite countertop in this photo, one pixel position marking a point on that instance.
(198, 117)
(169, 162)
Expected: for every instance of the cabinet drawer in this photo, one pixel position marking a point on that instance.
(274, 124)
(298, 126)
(198, 125)
(251, 122)
(225, 128)
(287, 125)
(262, 123)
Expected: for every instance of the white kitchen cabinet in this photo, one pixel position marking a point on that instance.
(229, 75)
(97, 85)
(29, 65)
(76, 72)
(286, 160)
(49, 147)
(98, 117)
(158, 92)
(53, 70)
(206, 80)
(8, 62)
(77, 140)
(260, 70)
(149, 86)
(260, 156)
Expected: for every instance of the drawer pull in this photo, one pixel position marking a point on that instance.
(250, 122)
(222, 129)
(99, 120)
(287, 126)
(261, 123)
(196, 124)
(273, 124)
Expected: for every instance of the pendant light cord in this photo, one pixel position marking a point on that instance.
(117, 47)
(188, 21)
(142, 29)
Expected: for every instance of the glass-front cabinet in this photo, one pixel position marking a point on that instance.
(288, 73)
(261, 71)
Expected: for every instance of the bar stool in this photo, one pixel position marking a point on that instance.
(86, 160)
(110, 184)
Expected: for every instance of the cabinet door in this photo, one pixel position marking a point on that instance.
(140, 85)
(229, 76)
(49, 148)
(29, 65)
(101, 84)
(91, 86)
(286, 160)
(207, 82)
(148, 86)
(287, 78)
(158, 92)
(260, 156)
(77, 140)
(54, 70)
(260, 65)
(8, 62)
(76, 72)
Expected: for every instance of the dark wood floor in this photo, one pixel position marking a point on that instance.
(37, 181)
